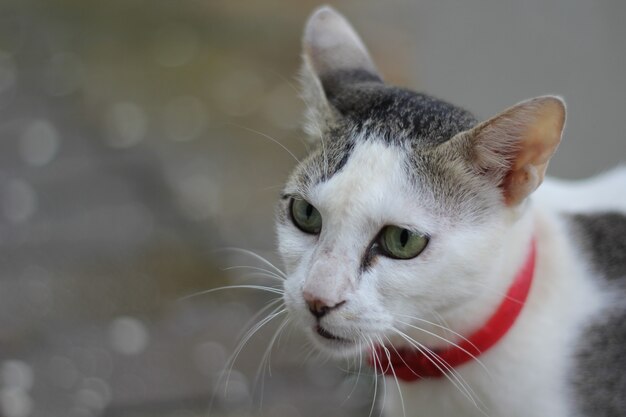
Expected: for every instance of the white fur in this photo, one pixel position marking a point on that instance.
(601, 193)
(527, 369)
(462, 275)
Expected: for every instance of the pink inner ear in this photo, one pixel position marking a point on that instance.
(519, 183)
(535, 127)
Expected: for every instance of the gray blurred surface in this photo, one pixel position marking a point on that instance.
(134, 143)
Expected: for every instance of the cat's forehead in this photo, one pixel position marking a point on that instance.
(374, 112)
(393, 113)
(374, 168)
(364, 156)
(374, 185)
(382, 171)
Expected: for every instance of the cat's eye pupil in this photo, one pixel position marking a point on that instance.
(305, 216)
(404, 237)
(400, 243)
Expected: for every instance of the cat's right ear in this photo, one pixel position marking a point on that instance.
(333, 56)
(514, 147)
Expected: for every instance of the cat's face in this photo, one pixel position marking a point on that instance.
(355, 260)
(398, 212)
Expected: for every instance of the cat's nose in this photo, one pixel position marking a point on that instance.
(319, 307)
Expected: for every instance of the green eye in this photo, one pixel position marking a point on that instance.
(306, 217)
(400, 243)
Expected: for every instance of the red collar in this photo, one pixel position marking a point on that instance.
(410, 365)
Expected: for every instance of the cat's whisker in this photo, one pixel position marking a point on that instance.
(307, 356)
(457, 375)
(374, 364)
(421, 348)
(275, 340)
(272, 187)
(467, 391)
(226, 372)
(447, 341)
(446, 327)
(307, 105)
(319, 356)
(266, 359)
(255, 256)
(442, 321)
(284, 78)
(323, 142)
(268, 272)
(384, 401)
(255, 318)
(289, 319)
(498, 293)
(378, 365)
(231, 362)
(402, 359)
(234, 287)
(259, 379)
(266, 136)
(358, 374)
(351, 371)
(395, 377)
(441, 365)
(261, 275)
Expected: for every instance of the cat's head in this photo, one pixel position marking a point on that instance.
(405, 204)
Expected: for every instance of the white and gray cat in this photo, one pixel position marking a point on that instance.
(412, 235)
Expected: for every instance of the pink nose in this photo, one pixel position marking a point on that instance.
(319, 307)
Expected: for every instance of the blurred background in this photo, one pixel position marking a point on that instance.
(138, 136)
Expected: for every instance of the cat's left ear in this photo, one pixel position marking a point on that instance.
(334, 56)
(515, 146)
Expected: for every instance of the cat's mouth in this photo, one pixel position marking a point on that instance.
(328, 335)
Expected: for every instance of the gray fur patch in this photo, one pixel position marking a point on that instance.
(394, 113)
(603, 237)
(599, 378)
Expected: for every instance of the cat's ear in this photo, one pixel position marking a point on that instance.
(515, 146)
(333, 56)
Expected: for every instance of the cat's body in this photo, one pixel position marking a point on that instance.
(411, 214)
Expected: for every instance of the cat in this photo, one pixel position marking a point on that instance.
(412, 236)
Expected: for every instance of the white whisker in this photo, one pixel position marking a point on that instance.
(255, 256)
(449, 342)
(443, 367)
(374, 354)
(226, 372)
(257, 274)
(266, 136)
(446, 328)
(246, 338)
(272, 341)
(395, 377)
(358, 374)
(498, 293)
(268, 272)
(234, 287)
(254, 319)
(266, 359)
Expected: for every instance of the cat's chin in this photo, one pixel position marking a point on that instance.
(337, 347)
